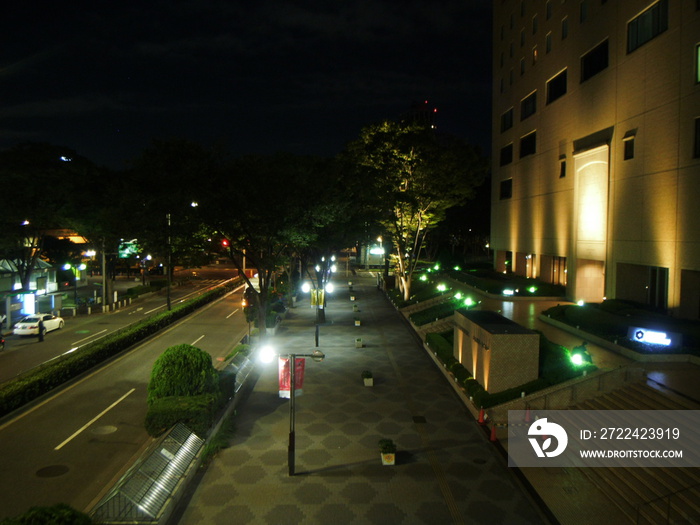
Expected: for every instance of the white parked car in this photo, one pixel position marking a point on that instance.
(30, 324)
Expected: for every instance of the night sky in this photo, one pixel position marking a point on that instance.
(106, 77)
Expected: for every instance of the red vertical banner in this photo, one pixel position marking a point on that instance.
(285, 379)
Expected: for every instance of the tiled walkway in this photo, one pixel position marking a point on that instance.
(447, 471)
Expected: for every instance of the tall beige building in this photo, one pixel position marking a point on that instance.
(596, 147)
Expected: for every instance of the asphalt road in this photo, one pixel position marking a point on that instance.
(71, 446)
(22, 353)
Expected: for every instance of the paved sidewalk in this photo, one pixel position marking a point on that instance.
(447, 471)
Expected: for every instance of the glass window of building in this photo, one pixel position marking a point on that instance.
(507, 120)
(506, 155)
(528, 144)
(628, 147)
(528, 105)
(556, 87)
(650, 24)
(506, 190)
(548, 42)
(595, 61)
(696, 150)
(564, 28)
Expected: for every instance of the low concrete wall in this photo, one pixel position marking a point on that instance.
(563, 395)
(628, 353)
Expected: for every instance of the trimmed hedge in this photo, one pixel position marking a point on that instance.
(59, 514)
(182, 370)
(196, 412)
(19, 391)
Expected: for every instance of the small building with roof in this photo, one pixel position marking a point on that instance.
(499, 353)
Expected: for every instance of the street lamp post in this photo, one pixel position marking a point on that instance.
(169, 270)
(76, 270)
(267, 354)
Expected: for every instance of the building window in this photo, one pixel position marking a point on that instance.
(595, 61)
(506, 155)
(628, 142)
(696, 150)
(564, 28)
(506, 189)
(583, 11)
(528, 144)
(522, 66)
(507, 120)
(697, 62)
(562, 168)
(501, 84)
(534, 25)
(534, 55)
(548, 9)
(556, 87)
(548, 42)
(648, 25)
(528, 105)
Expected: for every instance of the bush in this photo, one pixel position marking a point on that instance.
(182, 370)
(196, 412)
(60, 514)
(439, 344)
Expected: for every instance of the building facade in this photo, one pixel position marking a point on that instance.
(596, 148)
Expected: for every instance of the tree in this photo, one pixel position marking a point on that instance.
(182, 370)
(49, 184)
(268, 208)
(415, 176)
(167, 180)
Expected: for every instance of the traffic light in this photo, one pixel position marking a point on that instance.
(224, 243)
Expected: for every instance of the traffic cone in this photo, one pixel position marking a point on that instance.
(493, 434)
(481, 416)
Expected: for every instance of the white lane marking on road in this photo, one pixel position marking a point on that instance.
(88, 337)
(197, 340)
(229, 315)
(98, 416)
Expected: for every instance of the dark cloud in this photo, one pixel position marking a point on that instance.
(263, 76)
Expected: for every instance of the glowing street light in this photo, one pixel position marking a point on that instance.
(267, 355)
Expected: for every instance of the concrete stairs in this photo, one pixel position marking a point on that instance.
(647, 495)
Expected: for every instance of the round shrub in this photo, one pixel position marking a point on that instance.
(182, 370)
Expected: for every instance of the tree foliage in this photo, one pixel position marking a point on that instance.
(413, 176)
(270, 208)
(182, 370)
(48, 183)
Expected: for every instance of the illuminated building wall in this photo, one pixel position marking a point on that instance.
(596, 147)
(499, 353)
